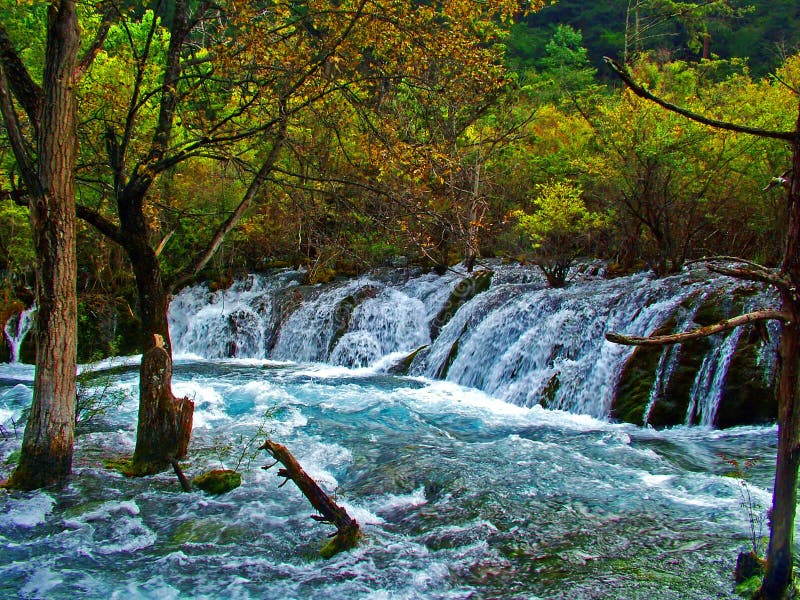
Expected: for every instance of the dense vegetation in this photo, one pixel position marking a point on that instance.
(458, 165)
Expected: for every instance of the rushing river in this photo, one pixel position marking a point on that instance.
(461, 495)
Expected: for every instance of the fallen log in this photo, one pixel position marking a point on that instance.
(348, 532)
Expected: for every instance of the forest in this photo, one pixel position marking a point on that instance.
(369, 171)
(148, 147)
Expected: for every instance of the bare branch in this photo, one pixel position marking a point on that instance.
(99, 222)
(162, 244)
(702, 332)
(736, 259)
(233, 219)
(638, 89)
(759, 276)
(110, 14)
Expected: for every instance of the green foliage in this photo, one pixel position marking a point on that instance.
(559, 214)
(762, 31)
(244, 448)
(560, 227)
(16, 246)
(95, 396)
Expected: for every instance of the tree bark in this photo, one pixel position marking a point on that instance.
(165, 422)
(778, 574)
(47, 445)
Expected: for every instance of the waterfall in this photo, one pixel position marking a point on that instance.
(16, 328)
(527, 344)
(517, 340)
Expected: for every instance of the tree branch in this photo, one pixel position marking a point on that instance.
(25, 89)
(702, 332)
(22, 155)
(109, 16)
(99, 222)
(752, 275)
(234, 218)
(638, 89)
(347, 529)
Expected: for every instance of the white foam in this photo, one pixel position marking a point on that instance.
(130, 534)
(40, 584)
(209, 405)
(29, 512)
(398, 501)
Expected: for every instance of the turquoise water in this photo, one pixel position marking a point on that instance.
(460, 495)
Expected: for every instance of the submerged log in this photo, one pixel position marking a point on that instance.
(348, 531)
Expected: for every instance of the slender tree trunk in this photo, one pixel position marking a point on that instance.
(46, 456)
(778, 575)
(779, 570)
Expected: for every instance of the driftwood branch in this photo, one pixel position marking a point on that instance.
(757, 275)
(678, 338)
(348, 531)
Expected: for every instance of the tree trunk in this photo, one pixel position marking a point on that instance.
(778, 573)
(779, 569)
(46, 455)
(165, 422)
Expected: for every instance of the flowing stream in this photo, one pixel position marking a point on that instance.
(466, 487)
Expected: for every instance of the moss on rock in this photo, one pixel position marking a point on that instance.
(345, 539)
(402, 366)
(748, 396)
(550, 391)
(218, 481)
(465, 290)
(636, 382)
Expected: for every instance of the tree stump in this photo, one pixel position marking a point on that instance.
(165, 422)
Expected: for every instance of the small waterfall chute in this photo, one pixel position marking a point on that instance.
(16, 328)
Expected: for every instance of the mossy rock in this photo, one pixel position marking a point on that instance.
(402, 366)
(218, 481)
(465, 290)
(749, 588)
(550, 392)
(671, 408)
(316, 276)
(441, 373)
(13, 458)
(748, 566)
(207, 531)
(632, 395)
(127, 467)
(345, 539)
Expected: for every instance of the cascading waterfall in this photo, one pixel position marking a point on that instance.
(15, 330)
(518, 340)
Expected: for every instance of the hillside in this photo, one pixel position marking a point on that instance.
(765, 33)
